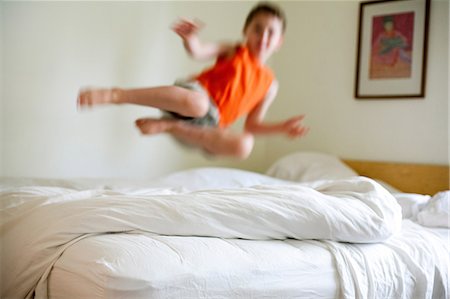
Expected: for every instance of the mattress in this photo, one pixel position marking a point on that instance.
(145, 266)
(148, 266)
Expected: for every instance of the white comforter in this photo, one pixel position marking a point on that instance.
(39, 223)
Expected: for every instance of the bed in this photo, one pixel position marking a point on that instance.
(310, 227)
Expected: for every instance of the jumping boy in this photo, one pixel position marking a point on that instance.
(203, 106)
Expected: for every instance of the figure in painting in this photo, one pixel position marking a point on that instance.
(391, 49)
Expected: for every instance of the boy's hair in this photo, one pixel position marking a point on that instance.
(269, 8)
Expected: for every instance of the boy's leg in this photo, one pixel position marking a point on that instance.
(151, 126)
(215, 141)
(170, 98)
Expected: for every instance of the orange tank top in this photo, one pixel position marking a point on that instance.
(237, 84)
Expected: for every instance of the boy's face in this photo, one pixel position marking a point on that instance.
(264, 35)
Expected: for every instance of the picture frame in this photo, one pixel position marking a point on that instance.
(392, 49)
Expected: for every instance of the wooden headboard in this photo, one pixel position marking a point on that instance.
(411, 178)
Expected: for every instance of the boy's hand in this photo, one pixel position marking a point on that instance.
(186, 29)
(293, 127)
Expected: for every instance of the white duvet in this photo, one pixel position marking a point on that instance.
(40, 223)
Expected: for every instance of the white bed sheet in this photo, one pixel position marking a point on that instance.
(145, 266)
(149, 266)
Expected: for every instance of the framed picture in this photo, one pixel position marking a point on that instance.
(392, 49)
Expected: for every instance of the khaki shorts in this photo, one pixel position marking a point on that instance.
(210, 119)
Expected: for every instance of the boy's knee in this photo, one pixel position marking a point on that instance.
(196, 104)
(243, 146)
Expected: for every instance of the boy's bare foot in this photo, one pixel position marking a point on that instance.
(91, 97)
(149, 126)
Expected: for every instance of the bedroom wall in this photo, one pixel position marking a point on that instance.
(54, 48)
(316, 71)
(51, 49)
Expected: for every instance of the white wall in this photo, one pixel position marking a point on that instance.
(316, 69)
(54, 48)
(51, 49)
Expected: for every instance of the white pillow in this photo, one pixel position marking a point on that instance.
(213, 178)
(411, 204)
(437, 211)
(310, 166)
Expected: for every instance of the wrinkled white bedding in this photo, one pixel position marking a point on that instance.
(412, 264)
(150, 266)
(39, 224)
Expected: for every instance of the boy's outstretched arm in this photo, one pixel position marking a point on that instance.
(255, 120)
(188, 31)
